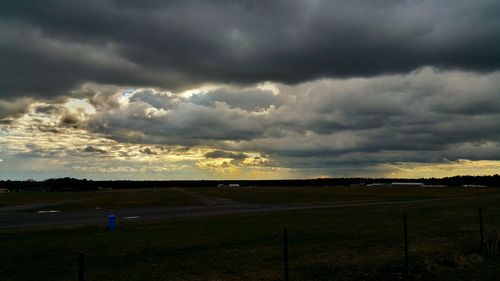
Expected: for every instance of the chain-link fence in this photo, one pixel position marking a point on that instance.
(329, 254)
(426, 249)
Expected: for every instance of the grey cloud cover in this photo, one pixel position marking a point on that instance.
(333, 85)
(248, 99)
(50, 47)
(364, 120)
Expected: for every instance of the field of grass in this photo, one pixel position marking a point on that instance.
(165, 197)
(135, 199)
(319, 195)
(102, 199)
(25, 198)
(352, 243)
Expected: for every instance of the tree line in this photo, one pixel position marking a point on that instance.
(72, 184)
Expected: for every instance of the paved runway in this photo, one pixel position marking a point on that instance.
(17, 219)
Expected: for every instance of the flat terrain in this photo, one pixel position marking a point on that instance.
(347, 233)
(64, 208)
(322, 195)
(109, 199)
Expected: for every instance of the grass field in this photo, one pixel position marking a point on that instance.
(101, 199)
(352, 243)
(319, 195)
(266, 195)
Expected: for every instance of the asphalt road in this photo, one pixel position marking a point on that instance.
(50, 216)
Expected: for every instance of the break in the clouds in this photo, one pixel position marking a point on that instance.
(253, 89)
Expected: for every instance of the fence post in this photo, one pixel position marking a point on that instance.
(285, 253)
(405, 233)
(481, 229)
(81, 267)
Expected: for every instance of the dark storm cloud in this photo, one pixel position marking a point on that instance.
(48, 47)
(13, 108)
(92, 149)
(226, 154)
(148, 151)
(70, 119)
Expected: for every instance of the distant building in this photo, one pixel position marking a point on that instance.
(4, 190)
(397, 184)
(413, 184)
(228, 185)
(377, 184)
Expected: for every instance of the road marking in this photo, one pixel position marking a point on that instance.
(50, 211)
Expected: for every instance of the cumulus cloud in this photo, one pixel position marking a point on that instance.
(185, 123)
(13, 108)
(251, 99)
(332, 125)
(327, 122)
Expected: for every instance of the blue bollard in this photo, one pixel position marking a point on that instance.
(111, 222)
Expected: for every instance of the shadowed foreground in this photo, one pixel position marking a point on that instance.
(351, 242)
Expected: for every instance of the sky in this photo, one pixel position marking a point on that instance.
(237, 89)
